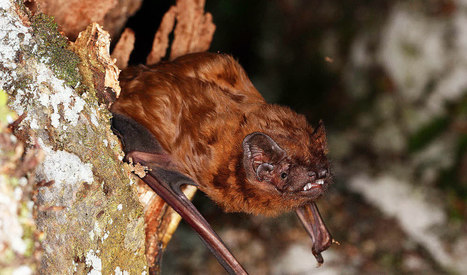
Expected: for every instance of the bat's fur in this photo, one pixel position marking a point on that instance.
(200, 107)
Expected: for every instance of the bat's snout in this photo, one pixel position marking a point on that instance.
(307, 182)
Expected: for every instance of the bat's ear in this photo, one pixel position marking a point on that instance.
(260, 152)
(319, 138)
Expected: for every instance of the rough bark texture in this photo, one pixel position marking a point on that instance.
(86, 214)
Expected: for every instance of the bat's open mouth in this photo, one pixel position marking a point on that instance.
(308, 186)
(317, 184)
(311, 189)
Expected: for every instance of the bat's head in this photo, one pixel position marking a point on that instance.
(292, 170)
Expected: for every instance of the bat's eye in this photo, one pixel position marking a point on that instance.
(284, 175)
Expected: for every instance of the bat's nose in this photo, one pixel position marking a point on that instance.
(322, 173)
(312, 175)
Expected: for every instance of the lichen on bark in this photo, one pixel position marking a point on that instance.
(52, 49)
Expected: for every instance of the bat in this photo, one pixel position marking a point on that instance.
(198, 120)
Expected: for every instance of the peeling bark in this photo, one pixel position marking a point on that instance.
(194, 29)
(161, 39)
(97, 68)
(123, 48)
(193, 32)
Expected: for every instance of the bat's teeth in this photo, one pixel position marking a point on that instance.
(320, 182)
(307, 186)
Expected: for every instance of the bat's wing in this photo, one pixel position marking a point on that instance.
(314, 225)
(142, 147)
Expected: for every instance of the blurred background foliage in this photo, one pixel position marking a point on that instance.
(389, 80)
